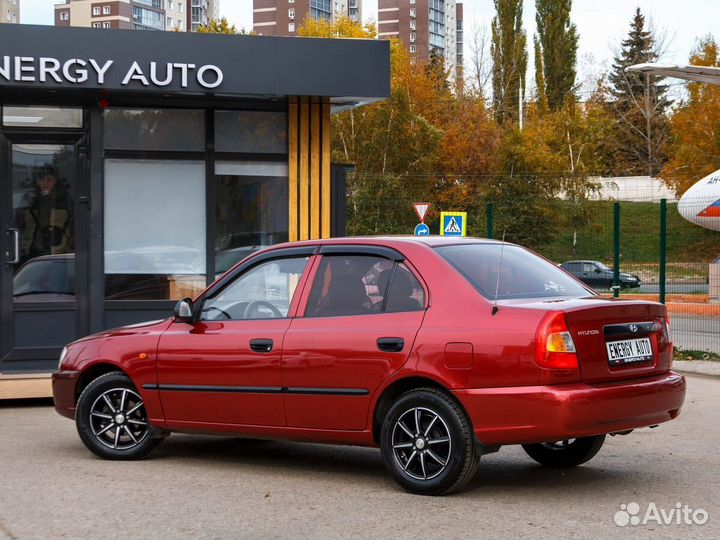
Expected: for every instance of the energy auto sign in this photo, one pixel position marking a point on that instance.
(77, 71)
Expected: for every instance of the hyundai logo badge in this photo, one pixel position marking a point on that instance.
(633, 328)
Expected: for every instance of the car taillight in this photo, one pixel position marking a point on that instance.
(555, 348)
(669, 339)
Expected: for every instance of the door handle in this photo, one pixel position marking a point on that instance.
(15, 246)
(261, 345)
(390, 344)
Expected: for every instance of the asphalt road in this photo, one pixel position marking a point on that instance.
(672, 288)
(206, 487)
(693, 332)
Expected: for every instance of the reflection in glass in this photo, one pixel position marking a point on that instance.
(154, 229)
(43, 209)
(262, 132)
(147, 129)
(251, 209)
(42, 117)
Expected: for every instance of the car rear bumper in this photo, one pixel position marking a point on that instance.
(531, 414)
(63, 386)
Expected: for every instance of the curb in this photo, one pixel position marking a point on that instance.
(705, 368)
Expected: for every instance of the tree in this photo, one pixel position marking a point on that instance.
(640, 105)
(480, 61)
(695, 126)
(341, 27)
(509, 54)
(218, 26)
(541, 97)
(557, 40)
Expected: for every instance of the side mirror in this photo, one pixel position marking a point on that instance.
(183, 311)
(597, 270)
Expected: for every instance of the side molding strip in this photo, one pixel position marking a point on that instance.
(259, 390)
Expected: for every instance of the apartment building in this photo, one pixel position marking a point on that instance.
(425, 26)
(170, 15)
(201, 12)
(284, 17)
(9, 11)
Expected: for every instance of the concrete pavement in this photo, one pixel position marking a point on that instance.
(209, 487)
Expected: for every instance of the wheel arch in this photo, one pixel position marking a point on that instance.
(92, 372)
(399, 387)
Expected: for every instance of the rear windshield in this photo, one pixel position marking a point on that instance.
(524, 274)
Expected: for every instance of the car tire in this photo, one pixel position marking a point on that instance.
(565, 454)
(611, 284)
(428, 444)
(111, 419)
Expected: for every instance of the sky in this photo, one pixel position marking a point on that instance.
(602, 24)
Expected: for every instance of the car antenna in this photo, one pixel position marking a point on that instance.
(497, 283)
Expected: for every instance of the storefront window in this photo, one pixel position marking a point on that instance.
(251, 209)
(259, 132)
(146, 129)
(42, 117)
(154, 229)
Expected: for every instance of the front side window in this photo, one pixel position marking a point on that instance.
(522, 274)
(361, 285)
(263, 292)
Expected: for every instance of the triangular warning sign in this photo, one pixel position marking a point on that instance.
(421, 209)
(452, 226)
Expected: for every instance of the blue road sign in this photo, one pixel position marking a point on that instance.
(453, 223)
(422, 230)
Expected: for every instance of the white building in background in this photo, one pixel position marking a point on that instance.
(633, 189)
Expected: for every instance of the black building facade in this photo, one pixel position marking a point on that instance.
(135, 167)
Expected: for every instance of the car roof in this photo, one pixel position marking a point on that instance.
(392, 241)
(581, 261)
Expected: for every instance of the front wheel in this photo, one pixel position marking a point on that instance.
(111, 419)
(427, 443)
(567, 453)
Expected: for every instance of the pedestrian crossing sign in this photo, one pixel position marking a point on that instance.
(453, 223)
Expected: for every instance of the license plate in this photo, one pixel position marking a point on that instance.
(629, 351)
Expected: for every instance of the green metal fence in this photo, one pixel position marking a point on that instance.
(636, 232)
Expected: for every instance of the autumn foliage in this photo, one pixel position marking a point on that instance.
(695, 127)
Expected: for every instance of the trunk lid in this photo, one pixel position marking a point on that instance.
(594, 322)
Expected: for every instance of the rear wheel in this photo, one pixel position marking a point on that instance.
(428, 444)
(567, 453)
(111, 419)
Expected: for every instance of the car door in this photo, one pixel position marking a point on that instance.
(224, 368)
(592, 275)
(361, 314)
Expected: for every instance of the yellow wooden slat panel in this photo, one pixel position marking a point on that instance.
(326, 158)
(304, 168)
(293, 171)
(315, 111)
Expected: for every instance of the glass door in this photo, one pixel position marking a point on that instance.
(42, 280)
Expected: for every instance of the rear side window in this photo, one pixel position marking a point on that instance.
(523, 275)
(361, 285)
(406, 293)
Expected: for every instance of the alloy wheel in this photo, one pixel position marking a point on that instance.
(118, 419)
(421, 443)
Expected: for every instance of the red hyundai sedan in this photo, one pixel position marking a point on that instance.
(436, 350)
